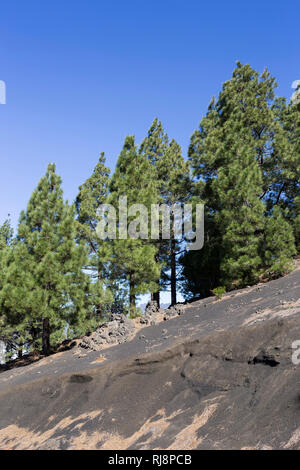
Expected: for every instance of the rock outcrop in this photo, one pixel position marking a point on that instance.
(121, 328)
(118, 330)
(153, 314)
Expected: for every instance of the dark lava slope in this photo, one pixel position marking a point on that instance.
(221, 377)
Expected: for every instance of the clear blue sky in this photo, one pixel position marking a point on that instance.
(81, 75)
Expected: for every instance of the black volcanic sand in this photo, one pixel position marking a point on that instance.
(221, 377)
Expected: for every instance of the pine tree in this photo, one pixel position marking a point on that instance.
(279, 244)
(14, 280)
(175, 188)
(241, 213)
(14, 297)
(132, 260)
(45, 280)
(238, 166)
(286, 187)
(92, 193)
(251, 97)
(153, 148)
(174, 184)
(200, 269)
(6, 234)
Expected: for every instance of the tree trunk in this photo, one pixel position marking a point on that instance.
(131, 294)
(34, 331)
(46, 337)
(155, 296)
(99, 306)
(173, 273)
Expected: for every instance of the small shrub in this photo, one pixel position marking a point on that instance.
(219, 291)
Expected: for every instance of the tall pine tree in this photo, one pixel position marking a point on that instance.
(174, 185)
(6, 236)
(241, 212)
(92, 193)
(45, 280)
(153, 148)
(286, 186)
(132, 260)
(238, 167)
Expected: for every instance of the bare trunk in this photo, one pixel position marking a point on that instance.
(34, 331)
(46, 337)
(173, 273)
(155, 296)
(131, 294)
(173, 263)
(99, 306)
